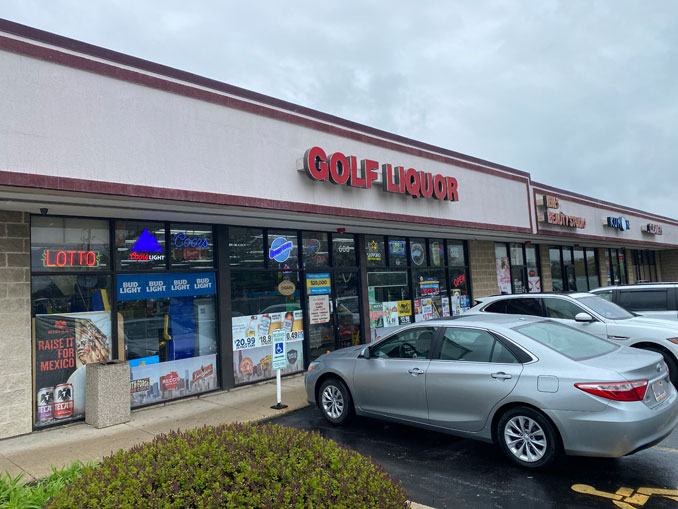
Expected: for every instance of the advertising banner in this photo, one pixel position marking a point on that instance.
(64, 345)
(318, 309)
(317, 284)
(151, 383)
(253, 342)
(156, 286)
(503, 275)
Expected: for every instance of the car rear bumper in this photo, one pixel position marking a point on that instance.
(621, 429)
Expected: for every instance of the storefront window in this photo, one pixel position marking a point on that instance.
(573, 269)
(397, 252)
(72, 328)
(282, 249)
(459, 281)
(533, 278)
(556, 269)
(246, 247)
(343, 250)
(315, 249)
(645, 265)
(618, 266)
(60, 244)
(140, 245)
(430, 294)
(170, 334)
(263, 302)
(191, 247)
(389, 298)
(592, 268)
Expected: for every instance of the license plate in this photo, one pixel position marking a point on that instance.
(659, 390)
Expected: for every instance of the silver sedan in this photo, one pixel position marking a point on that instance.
(535, 387)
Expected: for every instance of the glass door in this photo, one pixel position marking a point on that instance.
(347, 308)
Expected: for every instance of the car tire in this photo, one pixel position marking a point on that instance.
(528, 438)
(670, 362)
(335, 401)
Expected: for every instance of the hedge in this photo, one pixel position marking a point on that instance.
(233, 466)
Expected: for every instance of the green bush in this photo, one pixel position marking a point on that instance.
(239, 465)
(14, 494)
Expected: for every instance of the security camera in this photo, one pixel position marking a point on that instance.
(43, 211)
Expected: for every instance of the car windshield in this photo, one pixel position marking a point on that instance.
(565, 340)
(604, 307)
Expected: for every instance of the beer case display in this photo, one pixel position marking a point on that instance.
(252, 344)
(64, 344)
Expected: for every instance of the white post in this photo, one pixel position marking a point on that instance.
(279, 383)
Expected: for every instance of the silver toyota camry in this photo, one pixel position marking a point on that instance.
(535, 387)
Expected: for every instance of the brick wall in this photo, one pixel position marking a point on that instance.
(15, 325)
(483, 268)
(668, 265)
(546, 277)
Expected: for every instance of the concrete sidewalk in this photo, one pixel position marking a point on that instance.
(35, 453)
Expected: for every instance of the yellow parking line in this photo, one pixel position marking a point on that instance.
(665, 449)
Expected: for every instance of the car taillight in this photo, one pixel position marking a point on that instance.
(617, 391)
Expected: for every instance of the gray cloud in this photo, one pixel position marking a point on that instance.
(583, 95)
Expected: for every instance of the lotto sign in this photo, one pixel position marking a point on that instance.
(279, 350)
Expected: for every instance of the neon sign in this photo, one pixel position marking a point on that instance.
(67, 258)
(183, 240)
(280, 249)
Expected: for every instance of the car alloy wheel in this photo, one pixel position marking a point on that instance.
(335, 401)
(528, 438)
(525, 439)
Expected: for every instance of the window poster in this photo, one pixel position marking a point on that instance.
(252, 342)
(503, 275)
(376, 315)
(155, 382)
(446, 306)
(64, 345)
(318, 309)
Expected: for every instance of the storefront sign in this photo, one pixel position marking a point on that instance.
(317, 284)
(561, 219)
(280, 249)
(319, 309)
(418, 253)
(652, 228)
(145, 244)
(396, 247)
(287, 287)
(550, 202)
(156, 286)
(343, 170)
(620, 223)
(183, 240)
(373, 253)
(70, 259)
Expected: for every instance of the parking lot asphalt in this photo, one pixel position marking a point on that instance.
(443, 471)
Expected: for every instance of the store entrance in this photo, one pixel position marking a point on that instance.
(333, 310)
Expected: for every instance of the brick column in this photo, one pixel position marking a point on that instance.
(483, 268)
(16, 416)
(546, 276)
(667, 266)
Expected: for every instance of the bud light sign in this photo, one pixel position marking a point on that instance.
(280, 249)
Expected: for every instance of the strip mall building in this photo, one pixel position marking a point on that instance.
(155, 216)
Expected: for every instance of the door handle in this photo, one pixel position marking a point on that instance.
(415, 371)
(501, 375)
(617, 337)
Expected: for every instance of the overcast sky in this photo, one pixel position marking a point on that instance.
(583, 95)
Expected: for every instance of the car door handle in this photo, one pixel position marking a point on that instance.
(501, 375)
(415, 371)
(617, 337)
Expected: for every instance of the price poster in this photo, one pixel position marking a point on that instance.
(319, 309)
(252, 344)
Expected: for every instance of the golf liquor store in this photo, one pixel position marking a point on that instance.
(179, 224)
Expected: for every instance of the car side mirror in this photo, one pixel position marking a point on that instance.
(583, 317)
(365, 353)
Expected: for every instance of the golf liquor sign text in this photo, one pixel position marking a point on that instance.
(338, 168)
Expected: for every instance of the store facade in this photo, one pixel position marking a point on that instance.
(176, 223)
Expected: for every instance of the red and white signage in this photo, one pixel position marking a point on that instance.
(344, 170)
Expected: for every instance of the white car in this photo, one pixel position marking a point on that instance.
(596, 316)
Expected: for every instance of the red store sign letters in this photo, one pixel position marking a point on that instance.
(344, 170)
